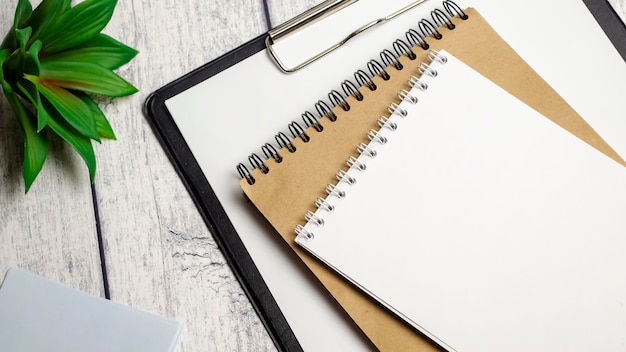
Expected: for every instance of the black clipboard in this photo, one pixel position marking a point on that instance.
(206, 200)
(610, 22)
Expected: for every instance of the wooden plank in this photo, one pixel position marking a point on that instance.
(51, 230)
(159, 254)
(620, 8)
(283, 10)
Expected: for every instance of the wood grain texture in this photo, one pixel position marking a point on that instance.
(620, 8)
(51, 230)
(160, 255)
(283, 10)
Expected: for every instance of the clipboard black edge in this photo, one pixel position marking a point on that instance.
(610, 22)
(205, 198)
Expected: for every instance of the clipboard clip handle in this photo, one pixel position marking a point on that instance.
(314, 14)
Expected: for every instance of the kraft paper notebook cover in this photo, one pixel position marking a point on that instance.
(213, 118)
(482, 224)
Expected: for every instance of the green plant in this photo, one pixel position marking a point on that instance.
(53, 61)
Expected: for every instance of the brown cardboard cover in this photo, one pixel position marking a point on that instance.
(290, 188)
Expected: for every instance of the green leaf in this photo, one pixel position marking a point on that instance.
(69, 106)
(22, 13)
(23, 35)
(35, 144)
(30, 92)
(15, 62)
(33, 65)
(77, 25)
(80, 143)
(46, 14)
(102, 124)
(4, 54)
(6, 87)
(43, 117)
(9, 42)
(86, 77)
(101, 50)
(104, 127)
(12, 65)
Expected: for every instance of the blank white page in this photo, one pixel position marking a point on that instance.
(485, 225)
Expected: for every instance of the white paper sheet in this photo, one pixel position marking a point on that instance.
(485, 225)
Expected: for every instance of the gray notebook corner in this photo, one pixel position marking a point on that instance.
(37, 314)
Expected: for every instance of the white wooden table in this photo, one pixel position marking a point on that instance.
(135, 236)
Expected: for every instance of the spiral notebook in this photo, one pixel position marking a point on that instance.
(208, 132)
(480, 223)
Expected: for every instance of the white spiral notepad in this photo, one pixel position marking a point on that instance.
(481, 223)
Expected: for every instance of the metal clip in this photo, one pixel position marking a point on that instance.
(318, 12)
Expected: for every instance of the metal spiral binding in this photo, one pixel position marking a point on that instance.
(364, 80)
(353, 163)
